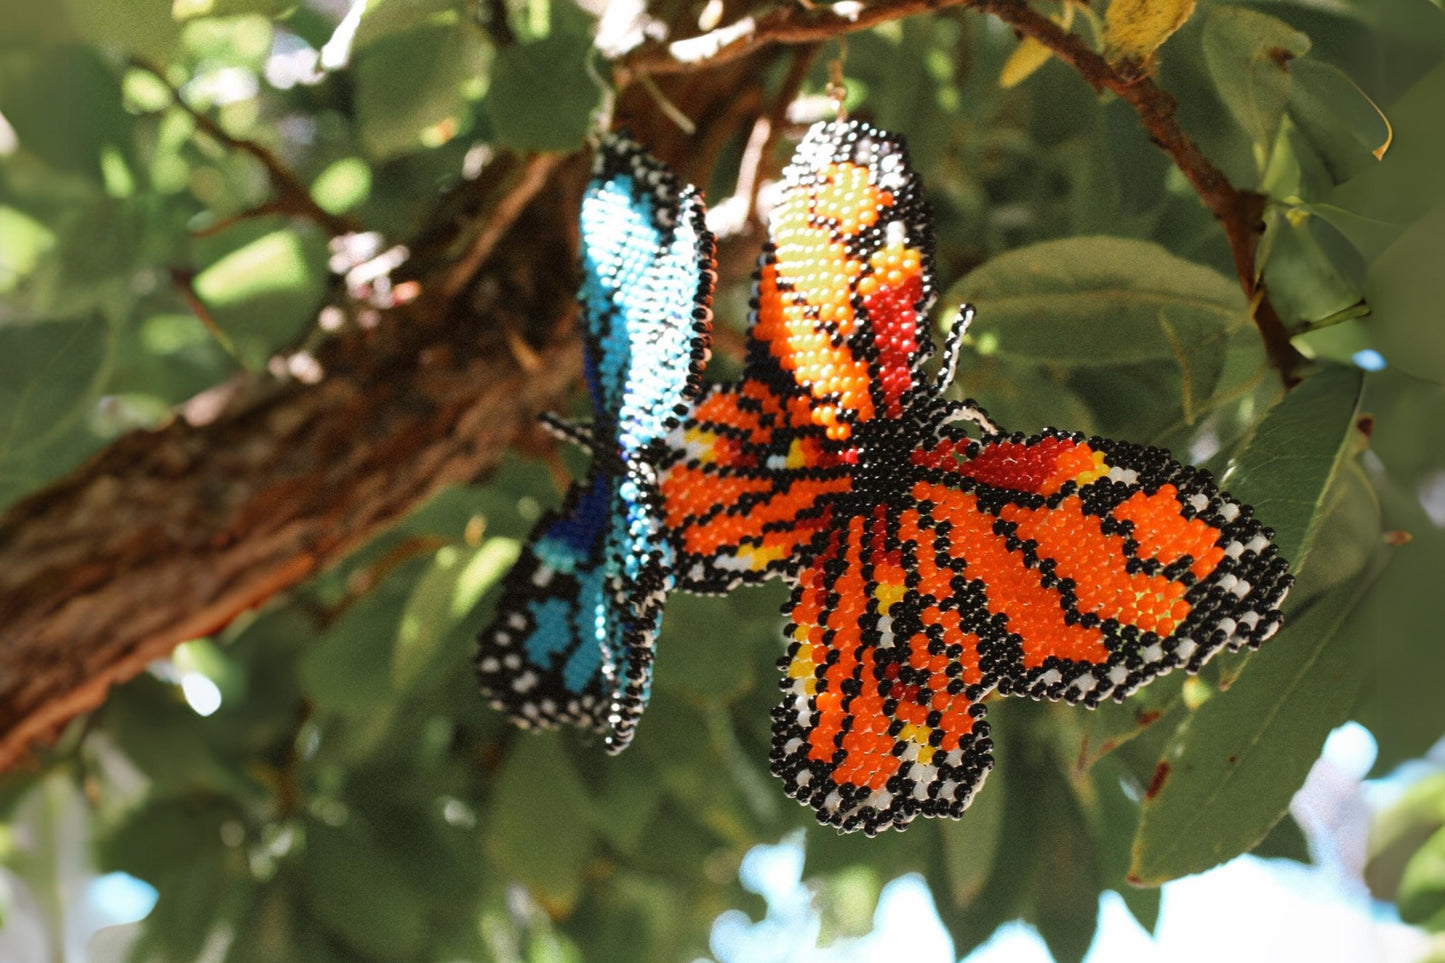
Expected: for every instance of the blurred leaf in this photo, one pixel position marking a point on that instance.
(342, 185)
(1248, 55)
(1027, 57)
(971, 844)
(1343, 125)
(50, 374)
(1399, 620)
(360, 895)
(414, 86)
(701, 638)
(1422, 887)
(446, 593)
(145, 29)
(1305, 281)
(1405, 287)
(1103, 300)
(1235, 764)
(1397, 193)
(553, 72)
(188, 9)
(1285, 841)
(1288, 461)
(1400, 831)
(65, 107)
(540, 822)
(264, 293)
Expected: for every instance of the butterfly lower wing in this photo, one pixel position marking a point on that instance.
(554, 652)
(1104, 563)
(881, 720)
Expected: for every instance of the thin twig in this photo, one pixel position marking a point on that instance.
(293, 197)
(518, 195)
(1239, 212)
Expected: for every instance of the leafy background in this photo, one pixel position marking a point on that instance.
(352, 799)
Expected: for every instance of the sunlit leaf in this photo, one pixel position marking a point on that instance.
(1292, 455)
(262, 294)
(1134, 29)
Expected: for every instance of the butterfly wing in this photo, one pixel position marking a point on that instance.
(1101, 564)
(837, 338)
(572, 641)
(556, 651)
(881, 720)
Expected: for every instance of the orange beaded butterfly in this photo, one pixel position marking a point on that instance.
(929, 565)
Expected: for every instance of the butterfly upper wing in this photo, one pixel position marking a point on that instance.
(881, 720)
(838, 337)
(1102, 563)
(572, 641)
(647, 286)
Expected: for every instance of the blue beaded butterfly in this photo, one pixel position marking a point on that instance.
(572, 640)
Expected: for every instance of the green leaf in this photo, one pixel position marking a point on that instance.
(1112, 724)
(1400, 831)
(1285, 841)
(50, 375)
(700, 639)
(414, 87)
(541, 821)
(1310, 270)
(1405, 288)
(1398, 192)
(550, 72)
(342, 185)
(1346, 129)
(1091, 301)
(1247, 54)
(65, 107)
(1422, 888)
(971, 844)
(184, 10)
(360, 895)
(263, 294)
(1234, 766)
(1400, 618)
(444, 595)
(1289, 460)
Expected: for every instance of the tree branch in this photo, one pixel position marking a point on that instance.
(167, 535)
(1239, 212)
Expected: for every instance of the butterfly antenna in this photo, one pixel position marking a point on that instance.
(578, 433)
(953, 347)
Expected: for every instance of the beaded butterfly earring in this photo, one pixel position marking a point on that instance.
(929, 566)
(572, 639)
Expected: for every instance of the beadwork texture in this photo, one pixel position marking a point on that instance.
(929, 567)
(573, 636)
